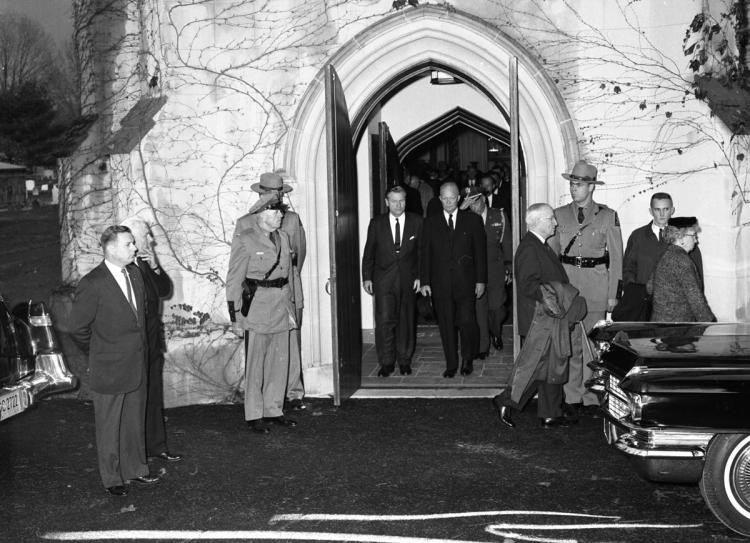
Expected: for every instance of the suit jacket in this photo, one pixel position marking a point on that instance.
(642, 253)
(499, 250)
(381, 264)
(157, 286)
(451, 263)
(535, 263)
(105, 327)
(253, 255)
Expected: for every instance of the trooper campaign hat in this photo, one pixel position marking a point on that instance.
(583, 172)
(270, 182)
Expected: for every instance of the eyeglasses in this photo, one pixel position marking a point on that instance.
(694, 236)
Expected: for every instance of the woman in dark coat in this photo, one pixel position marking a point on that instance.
(676, 285)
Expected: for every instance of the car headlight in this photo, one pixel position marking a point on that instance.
(636, 406)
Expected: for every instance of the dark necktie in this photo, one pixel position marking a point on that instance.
(272, 237)
(580, 215)
(398, 236)
(450, 221)
(129, 291)
(661, 235)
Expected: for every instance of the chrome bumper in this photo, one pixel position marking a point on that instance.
(655, 442)
(51, 376)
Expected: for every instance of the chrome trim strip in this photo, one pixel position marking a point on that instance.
(659, 453)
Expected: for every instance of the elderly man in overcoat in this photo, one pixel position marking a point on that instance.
(260, 302)
(536, 268)
(589, 242)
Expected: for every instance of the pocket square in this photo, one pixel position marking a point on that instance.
(411, 238)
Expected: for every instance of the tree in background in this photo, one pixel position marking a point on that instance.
(39, 94)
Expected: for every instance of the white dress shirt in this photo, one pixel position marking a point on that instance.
(120, 278)
(401, 223)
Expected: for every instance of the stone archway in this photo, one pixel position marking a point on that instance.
(368, 65)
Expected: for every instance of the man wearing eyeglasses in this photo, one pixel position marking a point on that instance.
(589, 243)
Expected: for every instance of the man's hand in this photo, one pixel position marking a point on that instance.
(367, 285)
(416, 285)
(426, 290)
(479, 290)
(611, 303)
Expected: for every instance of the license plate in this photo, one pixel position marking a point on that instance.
(13, 403)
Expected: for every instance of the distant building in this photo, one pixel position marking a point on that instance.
(12, 185)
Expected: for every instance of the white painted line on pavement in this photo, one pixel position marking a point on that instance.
(437, 516)
(239, 535)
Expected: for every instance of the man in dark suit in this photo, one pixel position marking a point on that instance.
(645, 247)
(390, 272)
(158, 286)
(491, 312)
(108, 322)
(535, 263)
(453, 270)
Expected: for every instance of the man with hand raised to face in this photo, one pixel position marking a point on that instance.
(108, 323)
(260, 303)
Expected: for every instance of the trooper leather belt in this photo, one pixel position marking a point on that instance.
(583, 261)
(269, 283)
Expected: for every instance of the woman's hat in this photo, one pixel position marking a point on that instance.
(270, 182)
(583, 172)
(683, 222)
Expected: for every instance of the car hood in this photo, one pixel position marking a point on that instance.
(695, 348)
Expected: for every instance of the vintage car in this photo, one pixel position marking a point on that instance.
(676, 400)
(32, 364)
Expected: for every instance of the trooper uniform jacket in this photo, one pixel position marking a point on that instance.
(292, 225)
(599, 234)
(253, 254)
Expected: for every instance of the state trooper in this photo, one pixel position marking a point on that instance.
(589, 243)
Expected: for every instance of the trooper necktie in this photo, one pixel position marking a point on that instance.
(580, 215)
(397, 243)
(661, 235)
(129, 291)
(450, 221)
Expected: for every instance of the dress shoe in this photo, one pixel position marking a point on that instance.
(167, 456)
(592, 411)
(385, 371)
(483, 356)
(503, 411)
(497, 343)
(467, 366)
(296, 405)
(404, 369)
(449, 373)
(147, 479)
(557, 422)
(572, 409)
(281, 421)
(258, 426)
(118, 490)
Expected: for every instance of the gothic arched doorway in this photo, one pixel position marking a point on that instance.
(376, 62)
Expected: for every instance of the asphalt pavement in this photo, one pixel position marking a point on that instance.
(399, 470)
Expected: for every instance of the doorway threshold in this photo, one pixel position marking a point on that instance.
(383, 393)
